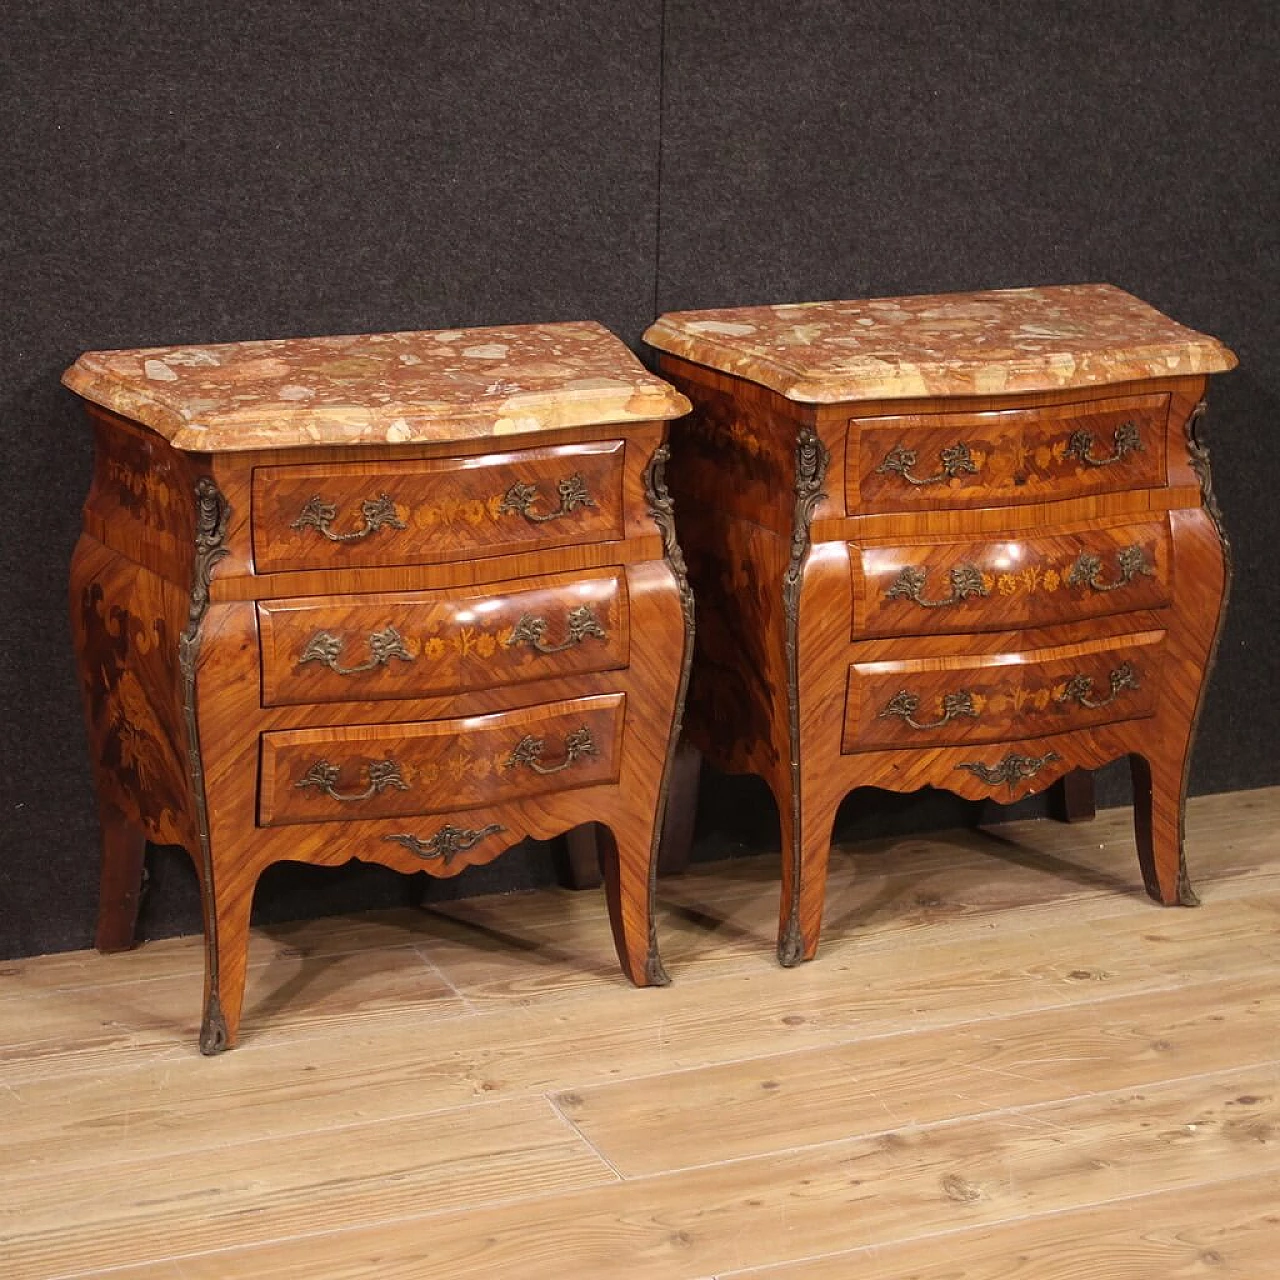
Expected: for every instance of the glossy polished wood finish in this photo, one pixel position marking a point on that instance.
(992, 697)
(909, 462)
(985, 593)
(375, 771)
(369, 514)
(261, 686)
(931, 587)
(415, 644)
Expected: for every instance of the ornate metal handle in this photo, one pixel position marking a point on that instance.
(904, 704)
(579, 624)
(320, 515)
(324, 777)
(519, 499)
(1012, 769)
(1126, 440)
(966, 581)
(326, 648)
(528, 752)
(447, 843)
(1087, 570)
(1080, 687)
(956, 460)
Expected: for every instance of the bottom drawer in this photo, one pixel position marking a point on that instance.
(1001, 696)
(391, 770)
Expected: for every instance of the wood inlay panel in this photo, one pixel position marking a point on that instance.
(928, 702)
(380, 771)
(952, 587)
(358, 513)
(419, 644)
(914, 461)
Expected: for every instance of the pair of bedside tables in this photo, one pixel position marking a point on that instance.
(411, 597)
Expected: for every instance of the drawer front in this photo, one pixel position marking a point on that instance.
(953, 587)
(1003, 696)
(418, 644)
(910, 462)
(386, 513)
(384, 771)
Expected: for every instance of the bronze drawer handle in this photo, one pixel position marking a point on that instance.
(326, 648)
(956, 460)
(320, 515)
(528, 752)
(579, 624)
(1126, 438)
(519, 499)
(1012, 769)
(904, 704)
(966, 581)
(1087, 570)
(1080, 687)
(324, 777)
(447, 843)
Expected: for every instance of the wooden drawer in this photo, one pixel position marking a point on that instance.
(416, 644)
(999, 697)
(953, 587)
(384, 513)
(385, 771)
(918, 461)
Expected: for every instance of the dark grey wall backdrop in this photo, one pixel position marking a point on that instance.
(196, 173)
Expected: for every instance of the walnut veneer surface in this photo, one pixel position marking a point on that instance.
(965, 541)
(322, 614)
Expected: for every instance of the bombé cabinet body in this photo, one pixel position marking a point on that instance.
(965, 541)
(406, 598)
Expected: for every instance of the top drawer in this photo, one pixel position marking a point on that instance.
(384, 513)
(911, 461)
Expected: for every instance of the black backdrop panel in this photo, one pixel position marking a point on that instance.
(198, 173)
(207, 173)
(820, 150)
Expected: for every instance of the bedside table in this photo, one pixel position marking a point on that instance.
(406, 598)
(966, 541)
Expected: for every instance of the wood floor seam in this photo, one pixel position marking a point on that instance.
(989, 1115)
(573, 1128)
(971, 1230)
(921, 1100)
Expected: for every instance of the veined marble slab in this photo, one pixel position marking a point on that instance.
(384, 388)
(948, 344)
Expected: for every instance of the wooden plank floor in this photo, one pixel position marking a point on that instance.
(1006, 1064)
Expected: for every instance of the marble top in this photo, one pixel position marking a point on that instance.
(947, 344)
(396, 388)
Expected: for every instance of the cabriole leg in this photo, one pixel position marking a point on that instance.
(1158, 805)
(625, 856)
(226, 962)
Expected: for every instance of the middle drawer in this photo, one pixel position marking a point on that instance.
(930, 587)
(415, 644)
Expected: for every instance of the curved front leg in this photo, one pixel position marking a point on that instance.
(1159, 800)
(806, 851)
(226, 937)
(626, 852)
(1160, 772)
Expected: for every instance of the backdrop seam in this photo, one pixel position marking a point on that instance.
(662, 103)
